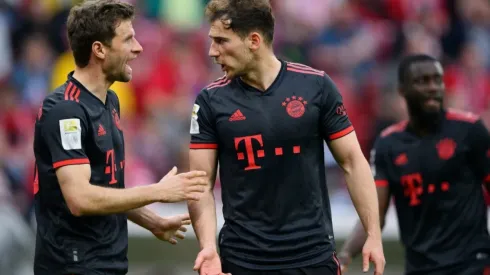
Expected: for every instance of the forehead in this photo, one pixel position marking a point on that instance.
(425, 68)
(217, 29)
(124, 28)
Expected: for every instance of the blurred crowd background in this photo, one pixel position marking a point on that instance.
(357, 42)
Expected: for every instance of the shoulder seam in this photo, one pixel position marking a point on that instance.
(463, 116)
(303, 69)
(394, 128)
(72, 92)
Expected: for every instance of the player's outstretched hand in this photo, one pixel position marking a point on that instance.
(184, 186)
(373, 252)
(208, 263)
(171, 228)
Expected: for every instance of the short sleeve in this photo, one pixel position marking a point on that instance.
(335, 122)
(64, 129)
(377, 160)
(202, 128)
(479, 143)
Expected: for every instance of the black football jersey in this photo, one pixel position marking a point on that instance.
(271, 164)
(75, 127)
(436, 183)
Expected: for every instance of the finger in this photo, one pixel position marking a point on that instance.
(365, 262)
(186, 222)
(196, 189)
(198, 263)
(193, 197)
(172, 172)
(194, 174)
(172, 241)
(379, 267)
(179, 235)
(185, 216)
(183, 229)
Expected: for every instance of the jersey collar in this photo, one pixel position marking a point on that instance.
(87, 95)
(273, 86)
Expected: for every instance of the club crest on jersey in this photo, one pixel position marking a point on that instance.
(446, 148)
(295, 106)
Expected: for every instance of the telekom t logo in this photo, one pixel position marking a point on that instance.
(250, 153)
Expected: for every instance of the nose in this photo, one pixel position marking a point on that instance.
(213, 52)
(137, 47)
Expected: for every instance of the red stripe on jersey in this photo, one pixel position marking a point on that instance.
(303, 71)
(303, 67)
(219, 85)
(341, 133)
(453, 114)
(203, 146)
(400, 126)
(35, 184)
(77, 94)
(381, 183)
(67, 90)
(70, 162)
(217, 81)
(338, 264)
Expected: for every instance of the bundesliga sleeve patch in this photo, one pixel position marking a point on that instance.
(71, 134)
(194, 124)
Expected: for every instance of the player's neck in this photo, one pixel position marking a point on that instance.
(424, 125)
(264, 73)
(94, 81)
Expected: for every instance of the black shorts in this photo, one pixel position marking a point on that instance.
(328, 267)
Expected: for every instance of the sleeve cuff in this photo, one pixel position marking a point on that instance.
(203, 146)
(381, 183)
(341, 133)
(62, 163)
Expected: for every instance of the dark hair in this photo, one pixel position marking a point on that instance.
(94, 20)
(407, 62)
(243, 16)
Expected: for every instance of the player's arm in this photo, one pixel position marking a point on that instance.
(203, 212)
(342, 141)
(360, 182)
(144, 217)
(479, 142)
(65, 129)
(353, 245)
(83, 198)
(203, 155)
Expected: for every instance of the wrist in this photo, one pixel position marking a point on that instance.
(374, 234)
(209, 246)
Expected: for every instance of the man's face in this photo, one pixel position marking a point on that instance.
(124, 48)
(229, 50)
(424, 87)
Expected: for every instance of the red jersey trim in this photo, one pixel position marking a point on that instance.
(62, 163)
(398, 127)
(341, 133)
(381, 183)
(203, 146)
(457, 115)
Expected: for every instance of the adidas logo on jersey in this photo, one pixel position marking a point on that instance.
(237, 115)
(101, 131)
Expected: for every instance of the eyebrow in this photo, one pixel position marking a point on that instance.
(129, 36)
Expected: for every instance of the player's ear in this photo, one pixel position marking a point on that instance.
(98, 49)
(254, 41)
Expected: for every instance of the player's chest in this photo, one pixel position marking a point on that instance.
(431, 156)
(422, 169)
(293, 115)
(107, 132)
